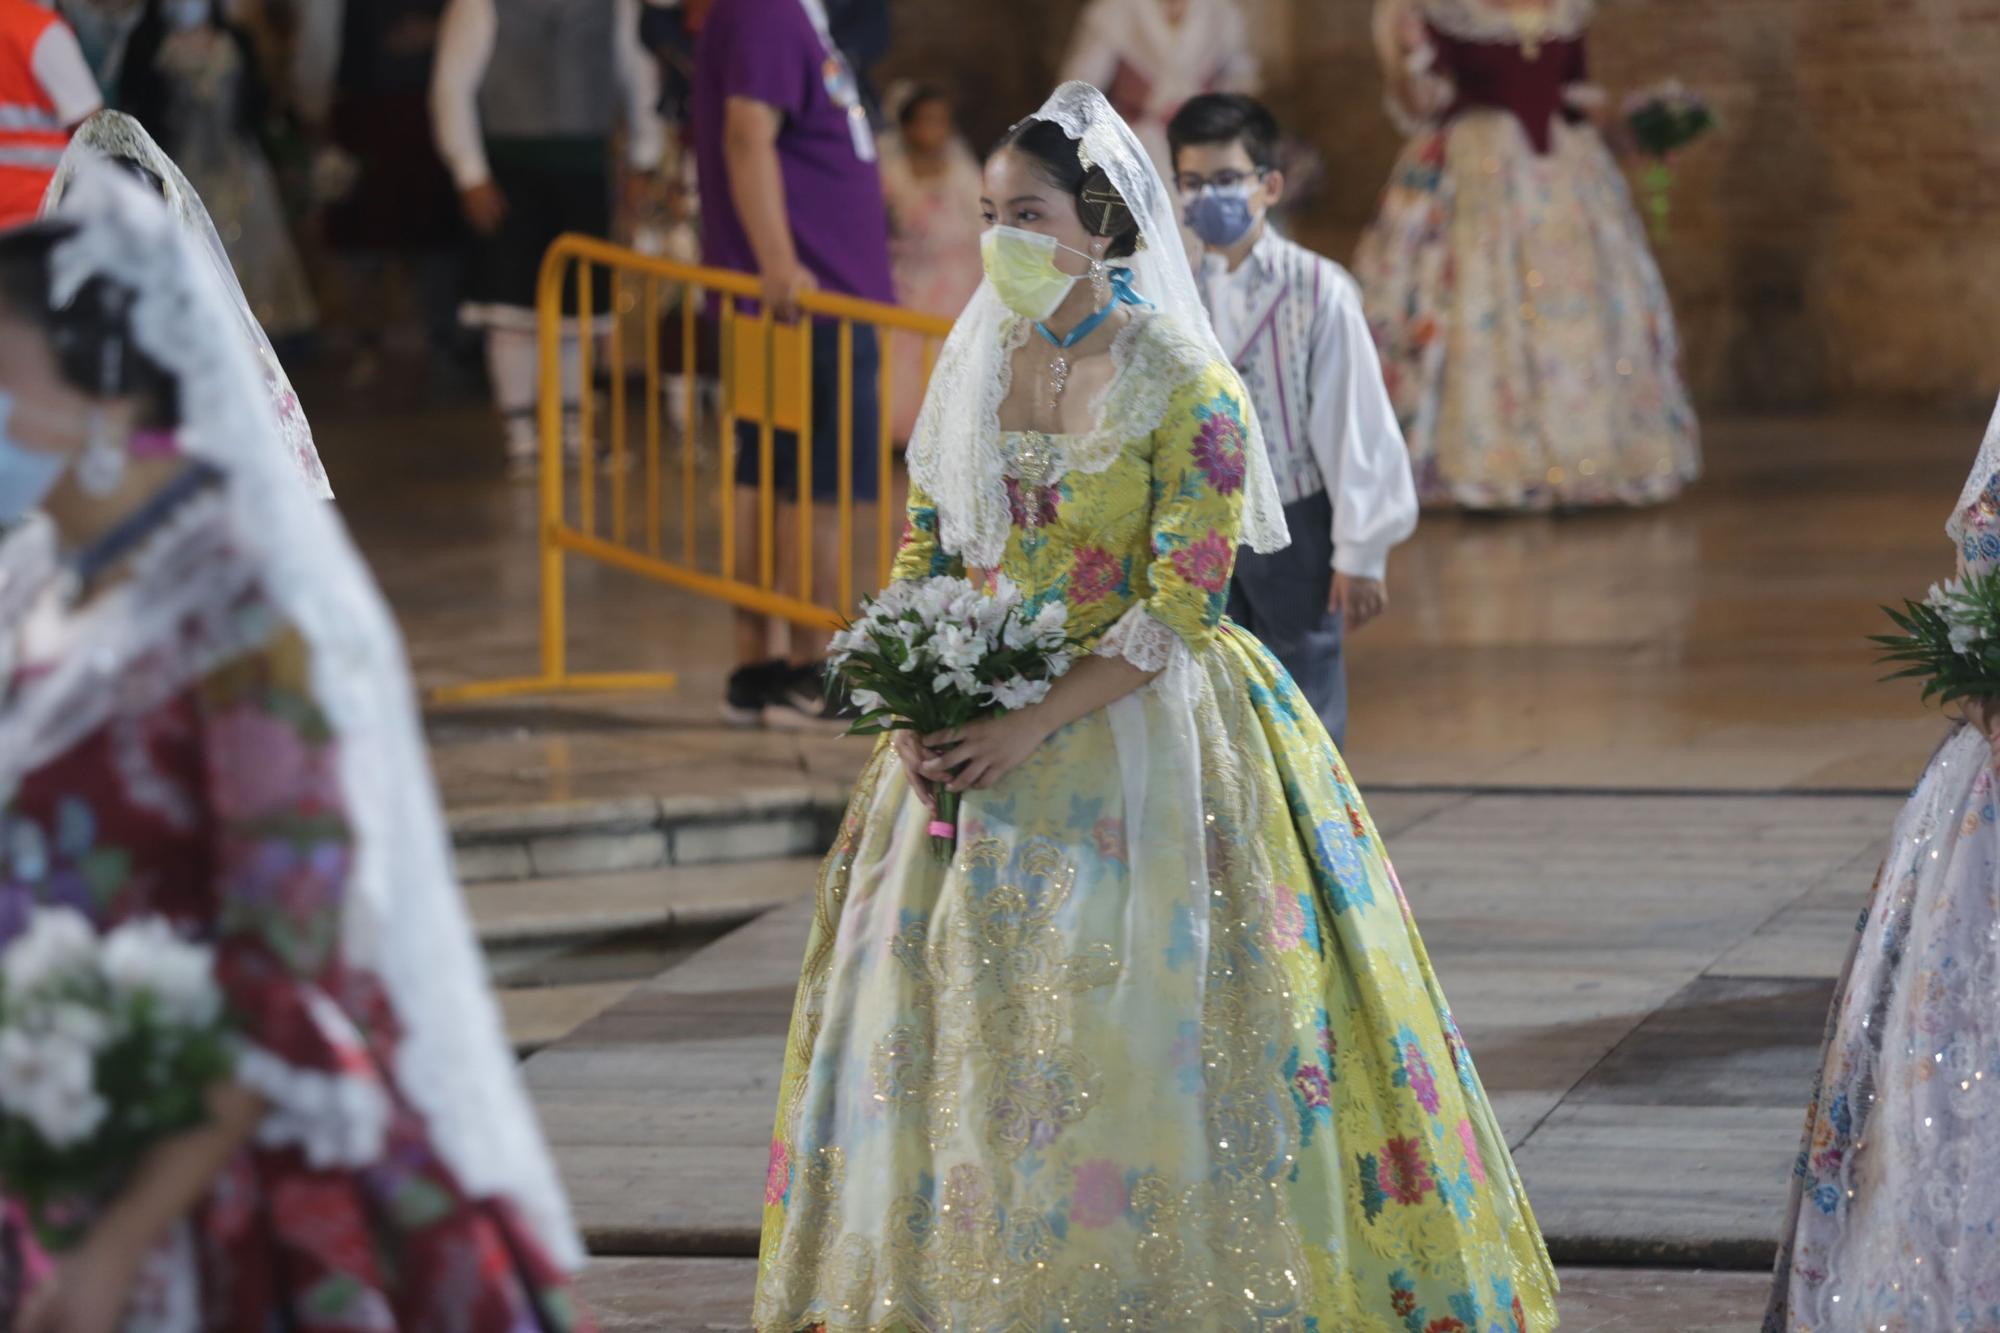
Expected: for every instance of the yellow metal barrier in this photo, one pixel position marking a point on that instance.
(765, 381)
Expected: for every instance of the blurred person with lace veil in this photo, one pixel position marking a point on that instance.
(1159, 1047)
(116, 138)
(213, 726)
(193, 77)
(1525, 332)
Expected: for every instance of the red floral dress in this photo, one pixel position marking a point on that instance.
(220, 810)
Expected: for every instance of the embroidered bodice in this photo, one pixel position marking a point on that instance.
(1120, 524)
(1504, 76)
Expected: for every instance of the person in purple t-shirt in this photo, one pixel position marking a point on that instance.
(790, 192)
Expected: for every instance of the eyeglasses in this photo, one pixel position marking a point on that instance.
(1189, 183)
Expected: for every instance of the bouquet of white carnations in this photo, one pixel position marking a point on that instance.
(1950, 640)
(929, 655)
(108, 1044)
(1663, 120)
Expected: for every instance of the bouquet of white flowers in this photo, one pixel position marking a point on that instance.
(932, 654)
(108, 1043)
(1950, 640)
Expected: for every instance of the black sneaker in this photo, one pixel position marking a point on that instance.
(806, 702)
(751, 690)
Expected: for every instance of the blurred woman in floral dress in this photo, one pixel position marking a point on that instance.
(1524, 330)
(1149, 56)
(931, 180)
(209, 721)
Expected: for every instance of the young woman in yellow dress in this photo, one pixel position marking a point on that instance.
(1161, 1048)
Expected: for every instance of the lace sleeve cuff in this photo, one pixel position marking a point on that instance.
(1146, 643)
(335, 1111)
(1585, 96)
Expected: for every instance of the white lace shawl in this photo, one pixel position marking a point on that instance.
(956, 452)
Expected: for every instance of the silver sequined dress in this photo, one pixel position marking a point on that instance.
(1895, 1213)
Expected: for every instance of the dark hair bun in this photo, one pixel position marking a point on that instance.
(91, 336)
(1099, 205)
(1103, 210)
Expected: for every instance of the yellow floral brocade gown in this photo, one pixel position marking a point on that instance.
(1161, 1049)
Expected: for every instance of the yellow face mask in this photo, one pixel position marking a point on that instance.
(1021, 265)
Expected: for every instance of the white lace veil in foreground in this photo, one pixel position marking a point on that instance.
(403, 918)
(115, 136)
(955, 452)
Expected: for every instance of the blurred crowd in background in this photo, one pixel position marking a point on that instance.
(361, 212)
(308, 128)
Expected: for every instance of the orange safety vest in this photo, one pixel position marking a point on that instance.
(32, 138)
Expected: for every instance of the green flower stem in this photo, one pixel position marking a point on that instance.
(944, 849)
(1659, 180)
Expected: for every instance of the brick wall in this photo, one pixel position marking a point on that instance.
(1838, 240)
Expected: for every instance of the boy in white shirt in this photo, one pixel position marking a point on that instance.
(1292, 321)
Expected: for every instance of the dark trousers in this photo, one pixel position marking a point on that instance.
(1281, 598)
(552, 187)
(865, 415)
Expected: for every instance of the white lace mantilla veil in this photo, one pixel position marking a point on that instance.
(115, 135)
(955, 451)
(1983, 469)
(404, 919)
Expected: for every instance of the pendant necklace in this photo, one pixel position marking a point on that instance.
(1530, 23)
(1037, 456)
(1059, 363)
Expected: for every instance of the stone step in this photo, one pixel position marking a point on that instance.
(694, 1295)
(563, 840)
(538, 1016)
(514, 913)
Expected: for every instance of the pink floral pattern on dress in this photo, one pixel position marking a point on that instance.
(1218, 446)
(1474, 1163)
(1413, 1071)
(1100, 1196)
(1109, 836)
(1403, 1175)
(263, 765)
(1096, 575)
(1285, 928)
(1314, 1088)
(1035, 508)
(1206, 563)
(778, 1175)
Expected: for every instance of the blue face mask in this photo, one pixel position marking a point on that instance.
(1221, 217)
(186, 15)
(26, 475)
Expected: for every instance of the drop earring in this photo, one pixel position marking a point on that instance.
(102, 466)
(1100, 281)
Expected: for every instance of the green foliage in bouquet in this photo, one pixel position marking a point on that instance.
(1950, 640)
(1666, 123)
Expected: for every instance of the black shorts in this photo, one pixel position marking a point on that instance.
(551, 188)
(866, 417)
